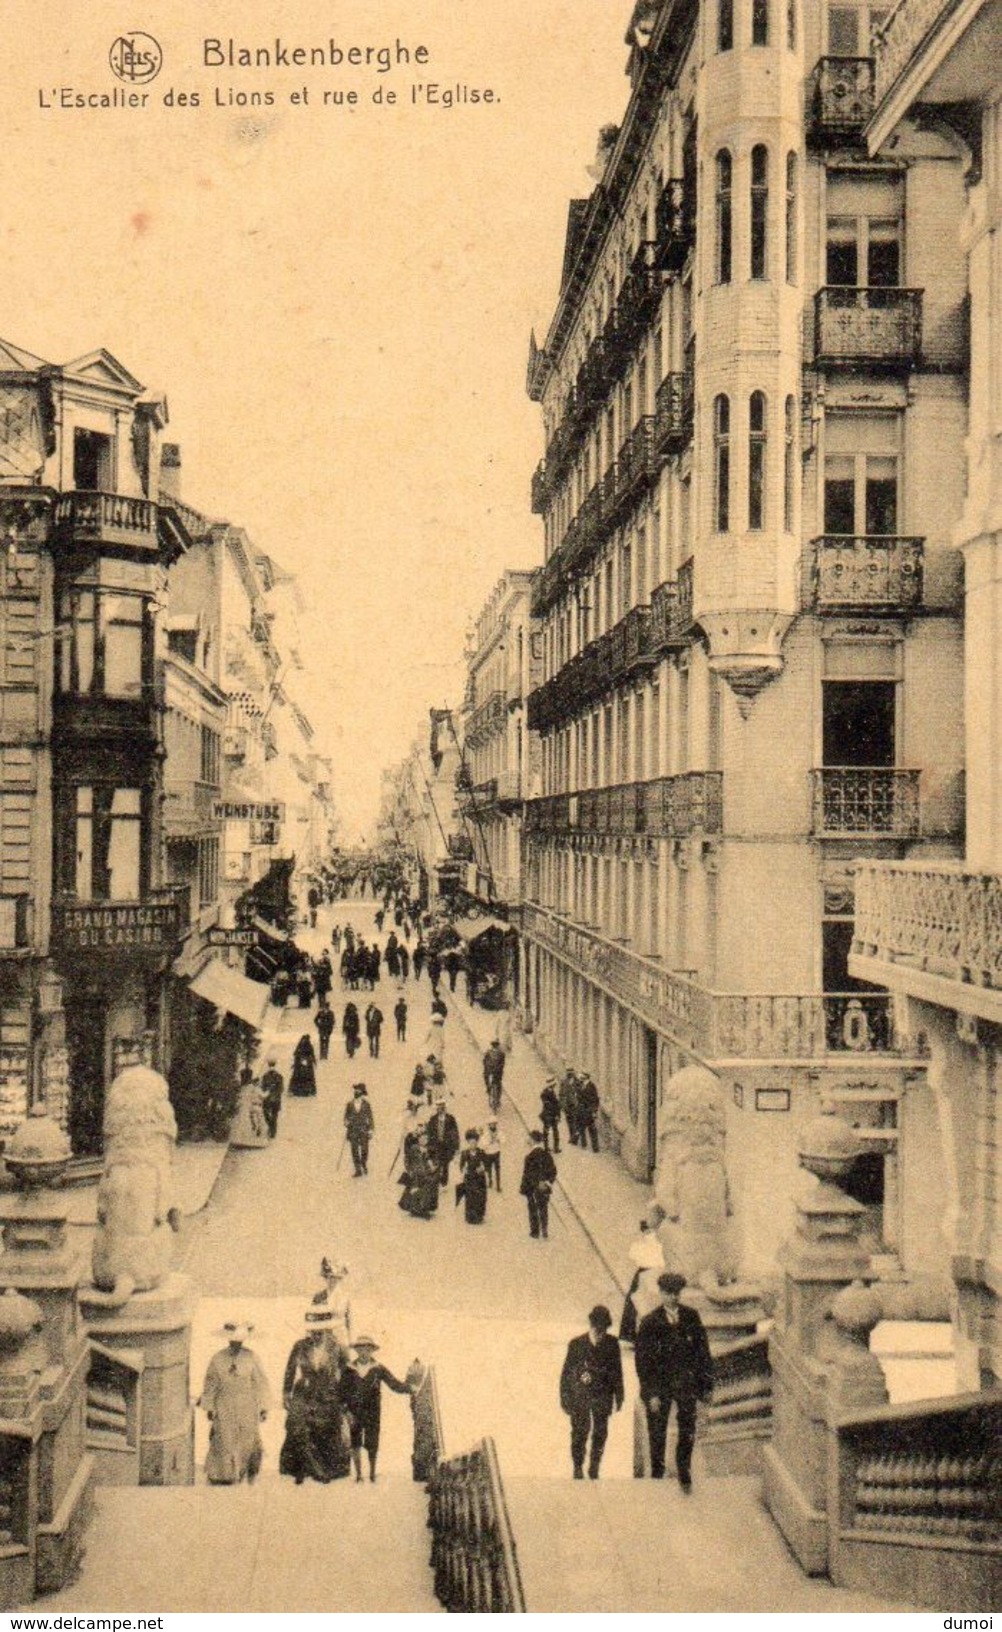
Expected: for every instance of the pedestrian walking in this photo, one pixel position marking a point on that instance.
(539, 1173)
(490, 1144)
(472, 1186)
(272, 1089)
(359, 1127)
(443, 1138)
(404, 958)
(363, 1384)
(420, 1177)
(569, 1104)
(373, 1028)
(434, 970)
(588, 1105)
(324, 1022)
(418, 958)
(323, 975)
(400, 1016)
(313, 902)
(673, 1363)
(249, 1130)
(235, 1398)
(591, 1387)
(304, 987)
(351, 1029)
(452, 966)
(303, 1081)
(494, 1064)
(647, 1254)
(549, 1114)
(316, 1444)
(438, 1006)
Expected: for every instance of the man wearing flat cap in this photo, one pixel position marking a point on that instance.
(591, 1383)
(673, 1365)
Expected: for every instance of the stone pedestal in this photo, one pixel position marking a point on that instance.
(45, 1470)
(153, 1329)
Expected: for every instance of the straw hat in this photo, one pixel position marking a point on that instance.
(235, 1331)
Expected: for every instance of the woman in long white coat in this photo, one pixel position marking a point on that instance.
(235, 1397)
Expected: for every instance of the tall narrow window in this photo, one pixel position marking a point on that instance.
(723, 212)
(791, 24)
(721, 464)
(756, 460)
(789, 467)
(760, 22)
(791, 218)
(759, 210)
(725, 25)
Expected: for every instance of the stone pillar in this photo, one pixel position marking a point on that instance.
(823, 1257)
(44, 1384)
(157, 1325)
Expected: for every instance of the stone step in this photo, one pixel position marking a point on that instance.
(264, 1548)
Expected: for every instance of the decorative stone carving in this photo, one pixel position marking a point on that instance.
(135, 1211)
(691, 1181)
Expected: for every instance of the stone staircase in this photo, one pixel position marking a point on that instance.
(271, 1547)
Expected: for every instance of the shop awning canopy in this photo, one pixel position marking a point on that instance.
(471, 929)
(271, 930)
(227, 989)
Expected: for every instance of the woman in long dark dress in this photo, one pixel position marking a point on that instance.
(316, 1430)
(303, 1081)
(420, 1177)
(473, 1178)
(352, 1029)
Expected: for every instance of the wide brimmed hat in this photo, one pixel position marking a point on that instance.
(364, 1342)
(317, 1318)
(236, 1331)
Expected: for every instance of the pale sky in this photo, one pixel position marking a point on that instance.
(336, 301)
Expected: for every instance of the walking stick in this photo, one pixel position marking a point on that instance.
(337, 1165)
(394, 1162)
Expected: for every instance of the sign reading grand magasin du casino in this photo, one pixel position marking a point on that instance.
(110, 926)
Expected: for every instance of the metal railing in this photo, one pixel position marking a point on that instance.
(852, 801)
(841, 98)
(872, 325)
(473, 1552)
(866, 570)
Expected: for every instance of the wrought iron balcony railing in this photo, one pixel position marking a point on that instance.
(841, 100)
(667, 807)
(881, 327)
(862, 801)
(673, 413)
(540, 490)
(875, 571)
(632, 645)
(676, 223)
(638, 298)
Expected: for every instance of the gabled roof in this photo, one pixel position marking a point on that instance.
(101, 365)
(14, 359)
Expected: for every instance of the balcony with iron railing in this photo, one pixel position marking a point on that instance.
(876, 572)
(673, 413)
(637, 301)
(881, 327)
(725, 1026)
(864, 802)
(633, 648)
(666, 807)
(840, 101)
(931, 925)
(676, 224)
(540, 489)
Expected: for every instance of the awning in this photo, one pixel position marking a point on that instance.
(228, 989)
(472, 928)
(271, 930)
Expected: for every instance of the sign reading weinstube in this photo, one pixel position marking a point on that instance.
(226, 811)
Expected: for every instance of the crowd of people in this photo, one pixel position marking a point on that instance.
(332, 1387)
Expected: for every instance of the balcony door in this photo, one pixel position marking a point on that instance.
(864, 248)
(851, 28)
(858, 722)
(862, 474)
(92, 462)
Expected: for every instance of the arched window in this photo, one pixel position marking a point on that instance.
(722, 268)
(760, 22)
(791, 218)
(789, 467)
(759, 210)
(721, 464)
(725, 25)
(756, 461)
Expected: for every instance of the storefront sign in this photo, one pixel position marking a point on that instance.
(225, 811)
(112, 925)
(232, 937)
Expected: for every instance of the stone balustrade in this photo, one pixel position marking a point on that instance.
(936, 916)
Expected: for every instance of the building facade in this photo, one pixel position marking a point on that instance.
(500, 764)
(752, 393)
(88, 543)
(932, 931)
(419, 813)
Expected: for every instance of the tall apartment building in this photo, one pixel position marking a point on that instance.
(500, 767)
(89, 931)
(752, 393)
(418, 810)
(931, 931)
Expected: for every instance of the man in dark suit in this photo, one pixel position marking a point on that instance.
(443, 1139)
(539, 1173)
(591, 1383)
(673, 1364)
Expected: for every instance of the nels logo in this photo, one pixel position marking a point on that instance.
(136, 58)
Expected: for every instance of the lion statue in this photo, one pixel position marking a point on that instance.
(691, 1179)
(135, 1211)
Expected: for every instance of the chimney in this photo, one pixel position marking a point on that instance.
(170, 470)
